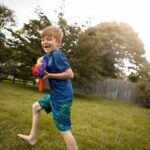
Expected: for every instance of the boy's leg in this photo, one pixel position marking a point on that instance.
(69, 140)
(61, 115)
(31, 138)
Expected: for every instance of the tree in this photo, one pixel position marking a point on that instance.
(27, 45)
(6, 17)
(144, 72)
(6, 20)
(133, 77)
(85, 70)
(115, 44)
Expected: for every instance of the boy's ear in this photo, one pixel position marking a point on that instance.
(59, 44)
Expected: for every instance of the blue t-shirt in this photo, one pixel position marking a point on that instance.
(58, 63)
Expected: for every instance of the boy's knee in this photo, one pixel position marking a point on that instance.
(36, 107)
(65, 133)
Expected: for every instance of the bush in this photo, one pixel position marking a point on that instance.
(143, 93)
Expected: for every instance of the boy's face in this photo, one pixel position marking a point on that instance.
(49, 44)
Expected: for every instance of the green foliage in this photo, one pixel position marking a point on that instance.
(27, 45)
(143, 93)
(6, 17)
(133, 77)
(94, 54)
(144, 72)
(6, 20)
(86, 61)
(83, 62)
(115, 43)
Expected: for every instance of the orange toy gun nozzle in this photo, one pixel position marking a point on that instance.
(38, 71)
(41, 85)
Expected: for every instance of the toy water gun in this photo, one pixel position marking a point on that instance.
(38, 71)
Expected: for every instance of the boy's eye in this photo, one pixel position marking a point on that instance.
(46, 39)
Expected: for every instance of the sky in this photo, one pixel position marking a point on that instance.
(135, 13)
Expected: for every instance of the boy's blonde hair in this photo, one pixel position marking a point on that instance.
(52, 31)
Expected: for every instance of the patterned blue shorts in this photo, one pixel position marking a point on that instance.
(61, 111)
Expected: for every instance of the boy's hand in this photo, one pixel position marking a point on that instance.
(39, 60)
(46, 76)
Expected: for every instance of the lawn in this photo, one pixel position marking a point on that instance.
(97, 123)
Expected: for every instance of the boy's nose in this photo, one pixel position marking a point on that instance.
(46, 42)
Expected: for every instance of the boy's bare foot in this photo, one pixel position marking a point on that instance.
(30, 140)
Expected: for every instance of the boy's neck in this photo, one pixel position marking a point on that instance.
(53, 51)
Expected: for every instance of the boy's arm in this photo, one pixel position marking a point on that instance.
(68, 74)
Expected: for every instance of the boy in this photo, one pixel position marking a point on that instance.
(59, 73)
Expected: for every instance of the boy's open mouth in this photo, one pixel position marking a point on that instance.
(47, 46)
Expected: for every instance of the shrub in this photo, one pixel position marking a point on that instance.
(143, 93)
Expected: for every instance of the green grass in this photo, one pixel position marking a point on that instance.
(97, 123)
